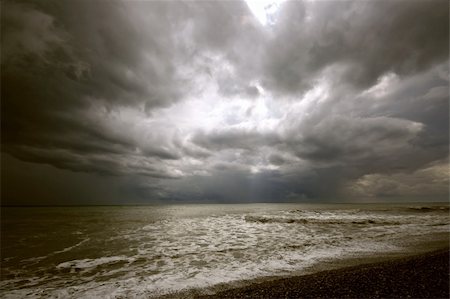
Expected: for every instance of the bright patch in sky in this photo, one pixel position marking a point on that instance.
(264, 10)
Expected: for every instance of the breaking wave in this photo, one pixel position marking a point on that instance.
(428, 208)
(92, 263)
(265, 219)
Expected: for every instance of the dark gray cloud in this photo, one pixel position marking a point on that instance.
(361, 39)
(197, 101)
(61, 59)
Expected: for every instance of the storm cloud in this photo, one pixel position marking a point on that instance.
(201, 102)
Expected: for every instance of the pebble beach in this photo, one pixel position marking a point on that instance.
(420, 276)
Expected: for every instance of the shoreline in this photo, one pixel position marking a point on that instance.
(410, 249)
(424, 275)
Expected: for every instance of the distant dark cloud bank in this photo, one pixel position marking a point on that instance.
(116, 102)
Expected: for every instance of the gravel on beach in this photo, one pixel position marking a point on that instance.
(423, 276)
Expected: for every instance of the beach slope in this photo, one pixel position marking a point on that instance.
(422, 276)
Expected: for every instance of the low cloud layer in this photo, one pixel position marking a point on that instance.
(200, 102)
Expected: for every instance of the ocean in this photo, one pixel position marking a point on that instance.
(150, 251)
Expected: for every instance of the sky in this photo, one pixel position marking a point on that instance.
(135, 102)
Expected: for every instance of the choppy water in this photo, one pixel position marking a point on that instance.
(154, 250)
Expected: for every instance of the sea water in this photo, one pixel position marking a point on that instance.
(149, 251)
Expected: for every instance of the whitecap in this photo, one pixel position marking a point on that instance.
(92, 263)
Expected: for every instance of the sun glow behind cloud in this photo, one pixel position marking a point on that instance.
(264, 10)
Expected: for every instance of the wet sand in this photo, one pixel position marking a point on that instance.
(421, 276)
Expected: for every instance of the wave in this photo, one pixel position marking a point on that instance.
(72, 247)
(439, 224)
(428, 208)
(262, 219)
(40, 258)
(265, 219)
(92, 263)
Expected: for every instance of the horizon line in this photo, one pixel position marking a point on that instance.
(212, 203)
